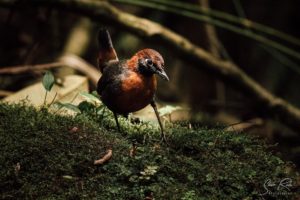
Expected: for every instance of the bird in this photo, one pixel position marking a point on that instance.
(128, 85)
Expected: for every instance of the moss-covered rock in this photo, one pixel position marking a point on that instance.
(47, 156)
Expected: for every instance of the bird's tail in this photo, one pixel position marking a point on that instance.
(107, 52)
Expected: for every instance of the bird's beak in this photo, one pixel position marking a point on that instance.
(163, 75)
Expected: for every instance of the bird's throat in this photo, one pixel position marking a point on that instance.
(148, 72)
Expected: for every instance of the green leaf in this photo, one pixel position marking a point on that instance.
(166, 110)
(90, 97)
(95, 93)
(48, 81)
(209, 177)
(86, 106)
(191, 177)
(68, 106)
(67, 177)
(149, 171)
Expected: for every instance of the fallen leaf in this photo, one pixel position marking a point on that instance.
(105, 158)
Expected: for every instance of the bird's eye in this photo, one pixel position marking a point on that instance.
(149, 62)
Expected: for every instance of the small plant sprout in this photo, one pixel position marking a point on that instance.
(148, 172)
(48, 82)
(91, 97)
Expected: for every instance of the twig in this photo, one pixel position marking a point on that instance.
(105, 158)
(245, 126)
(68, 60)
(81, 65)
(4, 93)
(53, 99)
(45, 99)
(132, 151)
(28, 68)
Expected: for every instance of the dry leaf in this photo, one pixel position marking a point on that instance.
(105, 158)
(132, 151)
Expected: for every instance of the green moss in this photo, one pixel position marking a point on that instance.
(56, 161)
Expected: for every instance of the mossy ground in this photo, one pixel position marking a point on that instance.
(44, 157)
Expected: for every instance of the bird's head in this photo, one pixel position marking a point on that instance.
(151, 62)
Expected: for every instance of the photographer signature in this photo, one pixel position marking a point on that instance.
(282, 187)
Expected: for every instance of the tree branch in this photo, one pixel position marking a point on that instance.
(101, 10)
(68, 60)
(28, 68)
(4, 93)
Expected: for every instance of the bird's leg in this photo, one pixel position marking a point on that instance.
(163, 136)
(117, 122)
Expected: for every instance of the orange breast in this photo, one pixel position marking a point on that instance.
(137, 92)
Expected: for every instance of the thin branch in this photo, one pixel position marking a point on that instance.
(105, 158)
(277, 108)
(4, 93)
(71, 61)
(82, 66)
(28, 68)
(239, 8)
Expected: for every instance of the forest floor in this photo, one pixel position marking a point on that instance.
(49, 156)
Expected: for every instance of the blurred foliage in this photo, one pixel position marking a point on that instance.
(48, 156)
